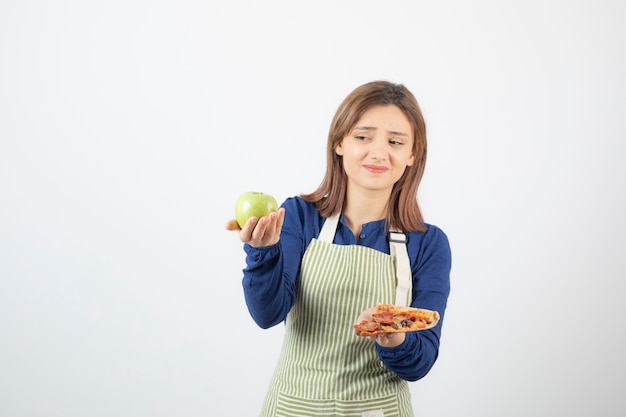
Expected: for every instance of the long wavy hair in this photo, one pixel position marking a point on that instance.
(403, 211)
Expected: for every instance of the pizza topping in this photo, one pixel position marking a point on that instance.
(384, 317)
(403, 323)
(367, 326)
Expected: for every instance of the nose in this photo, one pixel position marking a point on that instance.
(378, 152)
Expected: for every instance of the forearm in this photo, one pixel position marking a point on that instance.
(414, 358)
(268, 294)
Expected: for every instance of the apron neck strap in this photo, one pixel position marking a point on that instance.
(329, 228)
(397, 248)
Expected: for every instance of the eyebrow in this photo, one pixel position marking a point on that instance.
(370, 128)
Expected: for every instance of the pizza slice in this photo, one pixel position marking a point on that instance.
(396, 319)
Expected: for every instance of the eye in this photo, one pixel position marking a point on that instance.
(361, 138)
(396, 142)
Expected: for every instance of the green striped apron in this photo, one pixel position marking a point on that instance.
(324, 369)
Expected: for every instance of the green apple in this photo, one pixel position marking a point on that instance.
(253, 204)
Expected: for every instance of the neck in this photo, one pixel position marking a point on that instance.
(364, 208)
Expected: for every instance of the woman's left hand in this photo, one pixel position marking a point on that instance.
(386, 339)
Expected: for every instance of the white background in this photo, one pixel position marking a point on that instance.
(128, 129)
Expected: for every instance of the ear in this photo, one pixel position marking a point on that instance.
(339, 149)
(411, 160)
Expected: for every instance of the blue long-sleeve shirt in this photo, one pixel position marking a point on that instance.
(271, 272)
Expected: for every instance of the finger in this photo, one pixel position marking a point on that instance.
(232, 225)
(281, 218)
(390, 336)
(259, 229)
(391, 339)
(384, 339)
(276, 221)
(267, 231)
(246, 232)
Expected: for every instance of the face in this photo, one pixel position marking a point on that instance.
(378, 149)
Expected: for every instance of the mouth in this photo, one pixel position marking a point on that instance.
(375, 169)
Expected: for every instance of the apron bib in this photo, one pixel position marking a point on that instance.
(324, 368)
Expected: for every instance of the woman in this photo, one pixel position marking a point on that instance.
(325, 259)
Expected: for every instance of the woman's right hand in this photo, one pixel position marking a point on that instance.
(260, 232)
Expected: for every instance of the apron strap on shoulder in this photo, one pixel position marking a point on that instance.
(397, 247)
(329, 228)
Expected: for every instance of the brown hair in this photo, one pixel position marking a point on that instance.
(403, 210)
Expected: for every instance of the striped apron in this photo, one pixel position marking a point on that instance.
(324, 369)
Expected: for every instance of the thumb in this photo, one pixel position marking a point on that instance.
(232, 225)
